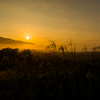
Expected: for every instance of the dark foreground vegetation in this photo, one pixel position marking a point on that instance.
(49, 76)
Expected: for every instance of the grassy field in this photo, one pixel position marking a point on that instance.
(27, 75)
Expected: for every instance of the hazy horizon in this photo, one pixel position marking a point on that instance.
(21, 45)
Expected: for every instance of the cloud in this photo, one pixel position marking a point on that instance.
(10, 41)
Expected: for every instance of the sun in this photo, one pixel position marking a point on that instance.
(27, 37)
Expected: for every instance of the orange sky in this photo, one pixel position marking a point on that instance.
(44, 20)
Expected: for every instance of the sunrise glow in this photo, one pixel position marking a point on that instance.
(38, 21)
(27, 37)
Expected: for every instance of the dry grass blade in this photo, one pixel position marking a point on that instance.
(85, 48)
(52, 45)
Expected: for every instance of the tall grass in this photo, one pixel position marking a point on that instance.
(50, 76)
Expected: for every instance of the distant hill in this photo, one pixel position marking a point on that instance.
(11, 41)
